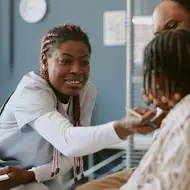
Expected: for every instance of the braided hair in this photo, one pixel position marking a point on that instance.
(51, 41)
(168, 57)
(60, 34)
(184, 3)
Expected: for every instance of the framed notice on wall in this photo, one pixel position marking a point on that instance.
(114, 28)
(114, 31)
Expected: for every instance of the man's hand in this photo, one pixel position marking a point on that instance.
(16, 177)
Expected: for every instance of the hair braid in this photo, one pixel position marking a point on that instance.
(60, 34)
(168, 57)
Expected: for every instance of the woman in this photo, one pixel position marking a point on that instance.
(168, 15)
(166, 75)
(37, 121)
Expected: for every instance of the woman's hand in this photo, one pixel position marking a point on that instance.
(132, 124)
(16, 177)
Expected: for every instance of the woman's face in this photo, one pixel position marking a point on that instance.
(69, 67)
(170, 15)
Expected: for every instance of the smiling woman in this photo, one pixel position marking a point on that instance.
(41, 123)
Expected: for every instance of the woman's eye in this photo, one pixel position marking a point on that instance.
(66, 61)
(171, 25)
(85, 62)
